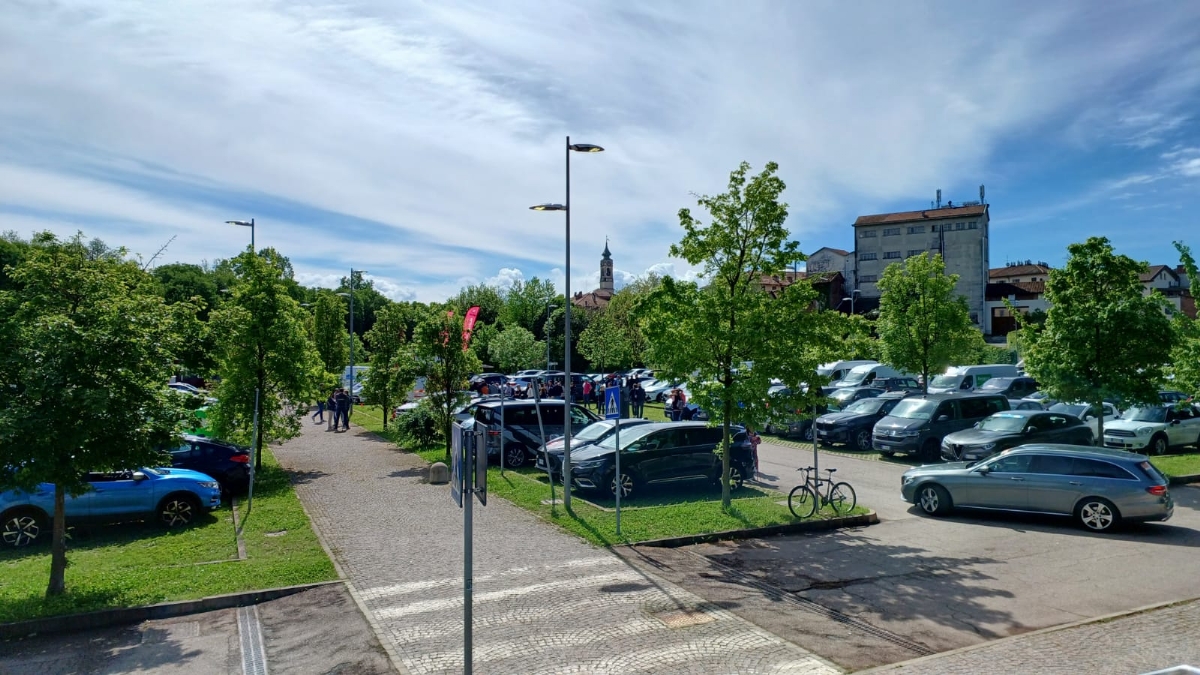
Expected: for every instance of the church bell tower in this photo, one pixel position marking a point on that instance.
(606, 269)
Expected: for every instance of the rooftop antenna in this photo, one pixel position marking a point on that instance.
(939, 198)
(981, 199)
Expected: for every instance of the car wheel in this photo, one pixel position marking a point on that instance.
(808, 433)
(737, 477)
(862, 440)
(1097, 514)
(178, 510)
(1158, 445)
(21, 528)
(514, 456)
(628, 485)
(934, 500)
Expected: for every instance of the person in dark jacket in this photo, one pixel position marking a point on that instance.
(637, 398)
(343, 410)
(331, 408)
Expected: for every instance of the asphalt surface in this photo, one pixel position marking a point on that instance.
(914, 585)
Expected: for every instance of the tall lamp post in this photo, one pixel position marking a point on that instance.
(853, 295)
(549, 308)
(566, 208)
(245, 223)
(353, 375)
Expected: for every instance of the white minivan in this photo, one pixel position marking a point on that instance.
(867, 373)
(839, 369)
(966, 378)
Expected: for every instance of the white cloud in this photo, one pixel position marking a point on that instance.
(505, 278)
(1188, 167)
(394, 291)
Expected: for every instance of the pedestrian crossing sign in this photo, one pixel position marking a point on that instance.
(612, 403)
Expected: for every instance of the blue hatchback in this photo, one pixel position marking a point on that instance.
(173, 497)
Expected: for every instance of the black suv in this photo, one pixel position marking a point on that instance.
(522, 437)
(917, 425)
(229, 464)
(1012, 387)
(852, 425)
(668, 452)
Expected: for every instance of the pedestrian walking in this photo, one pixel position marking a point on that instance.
(754, 439)
(637, 398)
(342, 404)
(320, 412)
(331, 406)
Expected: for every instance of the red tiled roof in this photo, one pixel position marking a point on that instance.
(927, 214)
(1038, 287)
(597, 299)
(1017, 271)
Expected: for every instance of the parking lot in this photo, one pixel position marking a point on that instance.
(914, 585)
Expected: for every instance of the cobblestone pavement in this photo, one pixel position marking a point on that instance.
(1139, 643)
(545, 602)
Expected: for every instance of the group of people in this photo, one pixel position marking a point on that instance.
(677, 408)
(338, 404)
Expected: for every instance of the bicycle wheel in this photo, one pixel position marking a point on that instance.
(802, 502)
(842, 498)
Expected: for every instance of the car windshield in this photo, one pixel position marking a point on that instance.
(1074, 409)
(914, 409)
(1003, 422)
(996, 384)
(866, 405)
(945, 381)
(628, 437)
(156, 472)
(855, 376)
(842, 395)
(1145, 415)
(594, 431)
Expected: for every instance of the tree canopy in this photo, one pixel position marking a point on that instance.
(391, 374)
(330, 332)
(438, 353)
(514, 349)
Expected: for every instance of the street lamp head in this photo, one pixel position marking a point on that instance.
(243, 223)
(847, 299)
(344, 295)
(548, 207)
(585, 147)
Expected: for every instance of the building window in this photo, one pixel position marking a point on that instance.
(916, 229)
(891, 255)
(866, 234)
(960, 226)
(933, 228)
(915, 251)
(867, 278)
(891, 231)
(867, 256)
(972, 225)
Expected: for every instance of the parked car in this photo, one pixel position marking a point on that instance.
(550, 455)
(185, 388)
(660, 453)
(852, 425)
(905, 384)
(1173, 396)
(658, 389)
(1040, 398)
(1154, 429)
(1004, 430)
(836, 370)
(917, 425)
(226, 462)
(785, 421)
(527, 374)
(866, 374)
(173, 497)
(1088, 414)
(1015, 388)
(966, 378)
(1099, 487)
(844, 396)
(521, 436)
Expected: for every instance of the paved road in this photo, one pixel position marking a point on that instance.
(545, 602)
(913, 585)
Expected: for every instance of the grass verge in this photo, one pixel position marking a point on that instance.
(1178, 465)
(129, 565)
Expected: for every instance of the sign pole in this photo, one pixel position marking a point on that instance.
(612, 411)
(619, 486)
(468, 562)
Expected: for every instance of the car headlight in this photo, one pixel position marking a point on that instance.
(1143, 431)
(210, 484)
(909, 479)
(987, 446)
(590, 464)
(906, 434)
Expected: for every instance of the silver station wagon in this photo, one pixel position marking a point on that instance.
(1097, 486)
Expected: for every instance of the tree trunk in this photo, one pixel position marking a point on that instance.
(58, 545)
(1099, 440)
(258, 421)
(728, 404)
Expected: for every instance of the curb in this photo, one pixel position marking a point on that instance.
(105, 618)
(869, 518)
(1184, 480)
(900, 665)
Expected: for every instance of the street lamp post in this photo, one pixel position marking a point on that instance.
(566, 208)
(853, 295)
(548, 310)
(353, 375)
(245, 223)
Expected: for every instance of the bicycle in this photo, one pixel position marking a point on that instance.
(806, 499)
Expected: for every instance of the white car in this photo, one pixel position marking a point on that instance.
(1153, 430)
(185, 388)
(1087, 413)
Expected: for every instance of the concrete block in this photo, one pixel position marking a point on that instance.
(439, 473)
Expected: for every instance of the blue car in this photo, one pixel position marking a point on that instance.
(173, 497)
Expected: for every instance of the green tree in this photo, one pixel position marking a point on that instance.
(391, 374)
(923, 325)
(580, 320)
(367, 301)
(605, 344)
(1185, 355)
(725, 337)
(12, 251)
(514, 349)
(1103, 338)
(622, 311)
(437, 350)
(525, 304)
(263, 347)
(330, 332)
(489, 300)
(88, 346)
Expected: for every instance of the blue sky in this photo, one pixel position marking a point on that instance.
(409, 138)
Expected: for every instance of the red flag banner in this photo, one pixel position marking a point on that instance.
(469, 325)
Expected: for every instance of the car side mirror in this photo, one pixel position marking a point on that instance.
(1029, 430)
(1174, 422)
(983, 470)
(976, 425)
(943, 418)
(138, 475)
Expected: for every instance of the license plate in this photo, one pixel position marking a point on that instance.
(822, 433)
(885, 446)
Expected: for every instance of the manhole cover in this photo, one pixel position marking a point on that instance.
(683, 618)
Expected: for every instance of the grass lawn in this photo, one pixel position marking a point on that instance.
(133, 564)
(1178, 465)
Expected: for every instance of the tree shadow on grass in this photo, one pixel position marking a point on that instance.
(84, 536)
(74, 600)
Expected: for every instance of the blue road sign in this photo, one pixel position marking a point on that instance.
(612, 403)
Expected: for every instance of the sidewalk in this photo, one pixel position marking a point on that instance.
(1144, 642)
(545, 602)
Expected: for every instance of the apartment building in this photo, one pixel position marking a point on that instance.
(958, 233)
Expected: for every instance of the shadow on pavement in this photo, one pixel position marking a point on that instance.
(1164, 534)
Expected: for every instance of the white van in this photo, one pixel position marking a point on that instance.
(966, 378)
(864, 375)
(839, 369)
